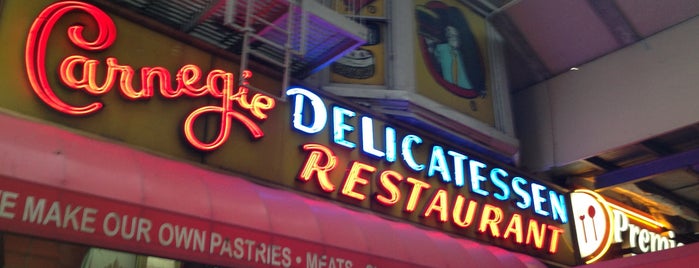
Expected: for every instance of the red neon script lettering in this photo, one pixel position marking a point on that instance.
(191, 81)
(35, 54)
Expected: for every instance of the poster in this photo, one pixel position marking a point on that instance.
(451, 59)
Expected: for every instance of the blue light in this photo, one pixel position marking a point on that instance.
(477, 178)
(438, 162)
(496, 176)
(517, 188)
(390, 144)
(407, 152)
(538, 200)
(558, 206)
(459, 176)
(368, 138)
(320, 114)
(339, 126)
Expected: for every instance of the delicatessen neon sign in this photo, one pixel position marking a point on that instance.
(476, 179)
(80, 73)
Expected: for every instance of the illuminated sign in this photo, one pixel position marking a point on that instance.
(80, 73)
(474, 179)
(601, 224)
(325, 148)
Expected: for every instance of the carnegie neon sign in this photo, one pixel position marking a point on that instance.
(476, 179)
(81, 73)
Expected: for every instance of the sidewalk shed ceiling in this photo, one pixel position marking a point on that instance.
(547, 38)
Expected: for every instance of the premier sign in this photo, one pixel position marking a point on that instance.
(601, 224)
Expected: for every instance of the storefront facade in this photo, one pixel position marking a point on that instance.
(119, 137)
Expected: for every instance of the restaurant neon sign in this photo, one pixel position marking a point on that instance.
(80, 73)
(311, 116)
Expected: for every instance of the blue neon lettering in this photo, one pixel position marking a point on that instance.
(558, 207)
(310, 116)
(517, 183)
(367, 130)
(319, 113)
(477, 178)
(438, 162)
(339, 126)
(459, 176)
(538, 199)
(407, 152)
(390, 144)
(495, 176)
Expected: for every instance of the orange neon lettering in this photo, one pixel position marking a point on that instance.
(313, 165)
(440, 204)
(386, 183)
(66, 71)
(126, 80)
(90, 70)
(227, 80)
(537, 233)
(490, 219)
(415, 193)
(227, 113)
(259, 103)
(354, 178)
(148, 75)
(555, 235)
(515, 227)
(458, 209)
(189, 77)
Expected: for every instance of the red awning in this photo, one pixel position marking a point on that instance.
(109, 188)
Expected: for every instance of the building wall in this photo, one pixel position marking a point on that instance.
(413, 89)
(22, 251)
(636, 93)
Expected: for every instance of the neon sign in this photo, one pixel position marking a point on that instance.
(406, 172)
(454, 169)
(600, 224)
(80, 73)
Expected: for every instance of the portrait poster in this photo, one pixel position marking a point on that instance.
(451, 58)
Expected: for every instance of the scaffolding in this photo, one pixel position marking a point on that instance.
(298, 36)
